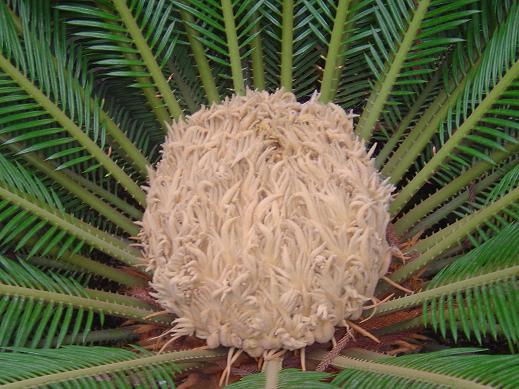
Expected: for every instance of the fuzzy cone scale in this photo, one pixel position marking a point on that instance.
(265, 224)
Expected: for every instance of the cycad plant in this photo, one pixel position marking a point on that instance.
(87, 91)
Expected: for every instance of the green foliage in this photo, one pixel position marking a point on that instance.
(476, 295)
(288, 379)
(41, 54)
(35, 207)
(509, 181)
(106, 367)
(409, 39)
(24, 224)
(484, 308)
(103, 24)
(88, 87)
(352, 79)
(44, 303)
(456, 71)
(459, 368)
(209, 23)
(498, 123)
(36, 69)
(35, 322)
(498, 82)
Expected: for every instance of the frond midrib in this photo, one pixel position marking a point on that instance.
(131, 186)
(96, 304)
(421, 297)
(81, 230)
(431, 247)
(173, 357)
(148, 58)
(343, 362)
(382, 90)
(443, 153)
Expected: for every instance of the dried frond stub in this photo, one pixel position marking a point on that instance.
(266, 222)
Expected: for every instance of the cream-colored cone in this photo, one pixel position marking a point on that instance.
(266, 220)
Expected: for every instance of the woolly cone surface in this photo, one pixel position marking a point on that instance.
(266, 220)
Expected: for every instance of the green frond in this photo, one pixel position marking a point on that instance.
(473, 306)
(65, 180)
(462, 135)
(17, 179)
(133, 41)
(459, 368)
(291, 49)
(430, 248)
(408, 39)
(112, 56)
(476, 197)
(225, 29)
(157, 38)
(477, 175)
(202, 63)
(233, 46)
(335, 40)
(42, 307)
(476, 295)
(401, 126)
(70, 62)
(63, 124)
(188, 86)
(106, 367)
(306, 53)
(106, 336)
(352, 79)
(478, 129)
(78, 264)
(33, 209)
(62, 268)
(456, 69)
(105, 189)
(257, 60)
(28, 321)
(288, 379)
(125, 101)
(287, 44)
(492, 226)
(509, 181)
(336, 27)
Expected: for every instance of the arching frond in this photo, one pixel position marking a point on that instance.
(37, 76)
(470, 185)
(408, 39)
(431, 248)
(455, 71)
(288, 379)
(133, 40)
(509, 181)
(30, 321)
(42, 307)
(475, 295)
(93, 366)
(36, 207)
(460, 368)
(470, 308)
(226, 30)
